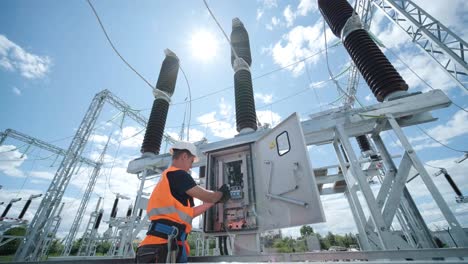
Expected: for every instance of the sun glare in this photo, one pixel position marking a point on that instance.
(204, 45)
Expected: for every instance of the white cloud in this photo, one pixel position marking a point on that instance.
(219, 128)
(194, 135)
(337, 209)
(16, 90)
(267, 116)
(259, 14)
(300, 42)
(369, 97)
(46, 175)
(265, 98)
(275, 22)
(13, 57)
(303, 9)
(96, 138)
(10, 160)
(289, 16)
(268, 4)
(305, 6)
(132, 137)
(457, 126)
(223, 127)
(426, 69)
(265, 5)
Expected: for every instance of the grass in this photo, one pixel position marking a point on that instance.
(6, 258)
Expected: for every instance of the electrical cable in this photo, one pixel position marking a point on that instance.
(112, 45)
(27, 175)
(433, 166)
(270, 104)
(329, 70)
(256, 77)
(310, 82)
(222, 30)
(419, 77)
(112, 166)
(399, 145)
(427, 134)
(189, 102)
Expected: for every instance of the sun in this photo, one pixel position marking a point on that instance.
(204, 45)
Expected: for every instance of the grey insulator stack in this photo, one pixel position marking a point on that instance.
(379, 73)
(246, 117)
(240, 42)
(363, 143)
(99, 218)
(162, 93)
(25, 208)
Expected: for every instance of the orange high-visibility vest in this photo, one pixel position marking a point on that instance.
(162, 205)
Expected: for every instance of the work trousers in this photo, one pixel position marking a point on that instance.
(154, 253)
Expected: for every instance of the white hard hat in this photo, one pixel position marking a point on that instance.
(185, 145)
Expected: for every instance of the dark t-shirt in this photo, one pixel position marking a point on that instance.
(180, 182)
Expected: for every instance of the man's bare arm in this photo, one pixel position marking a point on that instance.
(204, 195)
(198, 210)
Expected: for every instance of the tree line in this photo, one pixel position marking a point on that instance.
(276, 240)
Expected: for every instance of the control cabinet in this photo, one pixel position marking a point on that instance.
(231, 166)
(270, 178)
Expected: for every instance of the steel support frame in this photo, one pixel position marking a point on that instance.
(440, 43)
(393, 199)
(133, 228)
(459, 235)
(390, 198)
(356, 178)
(413, 225)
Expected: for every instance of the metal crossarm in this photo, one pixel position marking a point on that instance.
(127, 110)
(444, 46)
(42, 144)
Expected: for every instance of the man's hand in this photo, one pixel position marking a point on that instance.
(226, 193)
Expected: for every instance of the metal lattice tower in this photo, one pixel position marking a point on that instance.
(37, 232)
(440, 43)
(127, 111)
(33, 242)
(84, 202)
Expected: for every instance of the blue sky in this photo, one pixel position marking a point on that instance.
(54, 58)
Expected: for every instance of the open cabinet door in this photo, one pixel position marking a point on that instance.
(286, 192)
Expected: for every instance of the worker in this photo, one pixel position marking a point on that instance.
(171, 209)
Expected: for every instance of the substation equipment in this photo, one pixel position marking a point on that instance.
(272, 182)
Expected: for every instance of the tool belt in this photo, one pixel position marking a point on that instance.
(162, 228)
(170, 230)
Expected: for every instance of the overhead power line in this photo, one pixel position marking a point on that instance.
(222, 30)
(113, 47)
(427, 134)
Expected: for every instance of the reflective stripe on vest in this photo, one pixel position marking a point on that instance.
(163, 205)
(170, 210)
